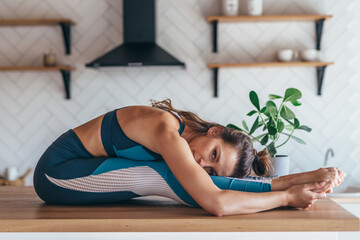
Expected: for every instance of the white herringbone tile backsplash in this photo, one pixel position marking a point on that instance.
(33, 111)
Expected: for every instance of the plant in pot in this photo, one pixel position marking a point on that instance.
(275, 121)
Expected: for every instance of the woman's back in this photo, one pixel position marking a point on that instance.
(131, 121)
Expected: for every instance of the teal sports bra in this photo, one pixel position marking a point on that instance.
(117, 144)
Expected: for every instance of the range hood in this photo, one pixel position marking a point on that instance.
(139, 47)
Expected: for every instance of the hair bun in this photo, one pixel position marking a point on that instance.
(262, 164)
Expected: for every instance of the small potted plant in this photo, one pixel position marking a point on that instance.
(275, 121)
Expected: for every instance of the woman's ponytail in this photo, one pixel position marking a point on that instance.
(262, 164)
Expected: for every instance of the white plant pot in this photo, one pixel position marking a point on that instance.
(281, 165)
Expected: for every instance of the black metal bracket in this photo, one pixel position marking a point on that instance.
(318, 31)
(65, 27)
(216, 73)
(215, 28)
(320, 76)
(66, 78)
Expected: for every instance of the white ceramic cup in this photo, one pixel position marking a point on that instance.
(310, 55)
(230, 7)
(254, 7)
(11, 173)
(287, 55)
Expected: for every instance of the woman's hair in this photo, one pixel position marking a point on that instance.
(248, 157)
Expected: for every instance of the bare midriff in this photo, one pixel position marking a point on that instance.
(90, 135)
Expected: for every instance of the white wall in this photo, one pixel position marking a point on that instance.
(33, 111)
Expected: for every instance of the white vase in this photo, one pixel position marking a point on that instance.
(281, 165)
(230, 7)
(254, 7)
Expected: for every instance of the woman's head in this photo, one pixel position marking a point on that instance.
(221, 150)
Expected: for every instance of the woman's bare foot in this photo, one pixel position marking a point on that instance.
(331, 175)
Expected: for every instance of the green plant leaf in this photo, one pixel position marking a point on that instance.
(289, 127)
(296, 103)
(254, 99)
(271, 149)
(280, 126)
(254, 126)
(305, 128)
(287, 113)
(252, 113)
(292, 94)
(271, 106)
(296, 123)
(273, 96)
(234, 127)
(263, 110)
(264, 140)
(272, 130)
(295, 138)
(266, 112)
(245, 125)
(259, 137)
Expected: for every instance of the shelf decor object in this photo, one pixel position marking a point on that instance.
(319, 65)
(64, 23)
(319, 22)
(65, 72)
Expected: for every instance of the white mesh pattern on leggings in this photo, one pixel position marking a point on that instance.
(139, 180)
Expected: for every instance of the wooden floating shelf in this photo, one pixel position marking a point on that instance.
(37, 68)
(64, 23)
(320, 67)
(266, 18)
(269, 64)
(19, 22)
(65, 72)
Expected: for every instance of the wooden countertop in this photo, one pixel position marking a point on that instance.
(22, 211)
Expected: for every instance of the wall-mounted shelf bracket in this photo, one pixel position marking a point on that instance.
(318, 31)
(66, 78)
(216, 73)
(320, 76)
(65, 27)
(215, 26)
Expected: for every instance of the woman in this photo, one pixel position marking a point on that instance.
(189, 145)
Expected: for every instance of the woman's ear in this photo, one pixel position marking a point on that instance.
(215, 131)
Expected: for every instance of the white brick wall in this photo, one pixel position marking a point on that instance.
(33, 111)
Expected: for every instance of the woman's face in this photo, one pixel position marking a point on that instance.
(214, 155)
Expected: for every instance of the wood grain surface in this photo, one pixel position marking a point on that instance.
(269, 64)
(274, 18)
(22, 22)
(36, 68)
(21, 210)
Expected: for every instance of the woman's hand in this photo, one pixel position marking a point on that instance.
(304, 195)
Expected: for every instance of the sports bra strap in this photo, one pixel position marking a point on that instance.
(182, 125)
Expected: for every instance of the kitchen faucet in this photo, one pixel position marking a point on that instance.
(327, 155)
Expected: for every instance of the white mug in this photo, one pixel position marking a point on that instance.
(230, 7)
(310, 55)
(254, 7)
(287, 55)
(11, 174)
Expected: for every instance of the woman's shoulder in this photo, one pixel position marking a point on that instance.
(146, 114)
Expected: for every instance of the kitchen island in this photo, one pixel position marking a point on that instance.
(22, 211)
